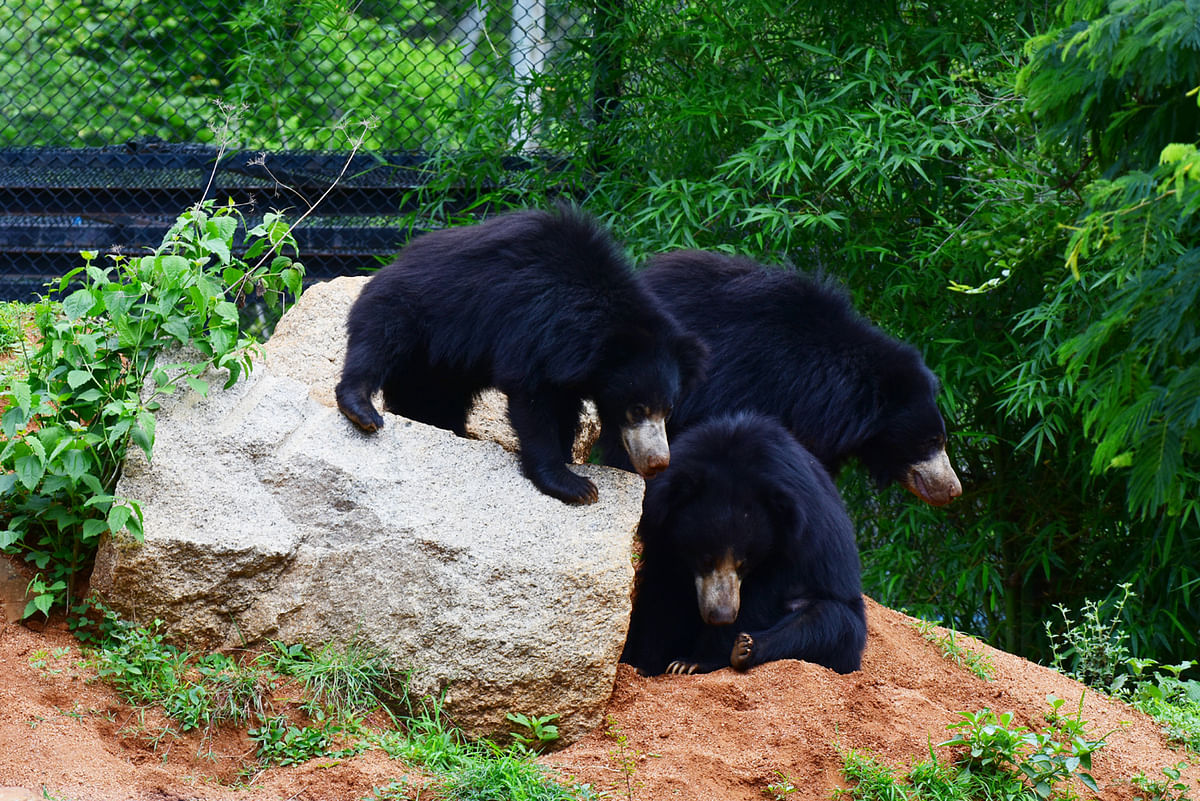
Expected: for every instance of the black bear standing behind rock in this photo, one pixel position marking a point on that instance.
(748, 556)
(541, 305)
(785, 344)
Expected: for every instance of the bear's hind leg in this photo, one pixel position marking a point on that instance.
(362, 374)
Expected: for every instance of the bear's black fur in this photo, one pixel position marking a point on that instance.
(788, 345)
(543, 306)
(743, 501)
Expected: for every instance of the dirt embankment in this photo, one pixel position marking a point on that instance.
(725, 736)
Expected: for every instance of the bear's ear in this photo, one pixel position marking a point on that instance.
(692, 354)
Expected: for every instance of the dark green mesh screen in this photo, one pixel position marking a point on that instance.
(112, 112)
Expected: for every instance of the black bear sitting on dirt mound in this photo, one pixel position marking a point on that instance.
(541, 305)
(748, 556)
(787, 345)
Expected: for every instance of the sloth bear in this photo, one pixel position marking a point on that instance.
(788, 345)
(544, 307)
(748, 556)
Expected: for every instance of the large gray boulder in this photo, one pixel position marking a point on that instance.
(269, 516)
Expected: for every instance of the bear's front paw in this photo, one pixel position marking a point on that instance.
(366, 418)
(743, 650)
(567, 487)
(682, 668)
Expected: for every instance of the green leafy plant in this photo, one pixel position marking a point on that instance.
(196, 692)
(535, 732)
(90, 388)
(280, 742)
(998, 759)
(1093, 648)
(1170, 788)
(1161, 692)
(995, 745)
(624, 756)
(392, 791)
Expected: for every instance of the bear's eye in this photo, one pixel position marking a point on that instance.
(637, 414)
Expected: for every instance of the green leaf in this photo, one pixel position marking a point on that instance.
(231, 275)
(21, 394)
(118, 516)
(118, 303)
(292, 280)
(40, 603)
(227, 311)
(218, 247)
(75, 464)
(143, 432)
(77, 378)
(78, 303)
(29, 470)
(93, 528)
(14, 418)
(178, 327)
(10, 536)
(223, 226)
(198, 385)
(176, 269)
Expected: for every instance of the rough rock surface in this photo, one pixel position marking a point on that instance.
(269, 516)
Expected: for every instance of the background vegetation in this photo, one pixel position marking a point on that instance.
(1010, 186)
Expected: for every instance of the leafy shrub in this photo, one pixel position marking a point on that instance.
(93, 383)
(998, 759)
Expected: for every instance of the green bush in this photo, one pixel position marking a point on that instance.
(90, 388)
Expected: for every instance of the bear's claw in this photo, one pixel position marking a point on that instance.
(743, 649)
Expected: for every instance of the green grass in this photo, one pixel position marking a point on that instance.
(975, 661)
(351, 702)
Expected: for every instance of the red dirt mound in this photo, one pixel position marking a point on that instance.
(722, 736)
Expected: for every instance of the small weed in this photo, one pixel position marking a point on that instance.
(490, 772)
(200, 691)
(782, 787)
(624, 756)
(1171, 788)
(978, 663)
(1091, 650)
(12, 315)
(392, 791)
(281, 743)
(536, 732)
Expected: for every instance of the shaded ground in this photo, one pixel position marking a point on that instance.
(722, 736)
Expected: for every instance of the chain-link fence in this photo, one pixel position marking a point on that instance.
(113, 113)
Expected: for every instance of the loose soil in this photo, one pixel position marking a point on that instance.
(723, 736)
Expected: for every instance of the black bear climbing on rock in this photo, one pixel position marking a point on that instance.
(541, 305)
